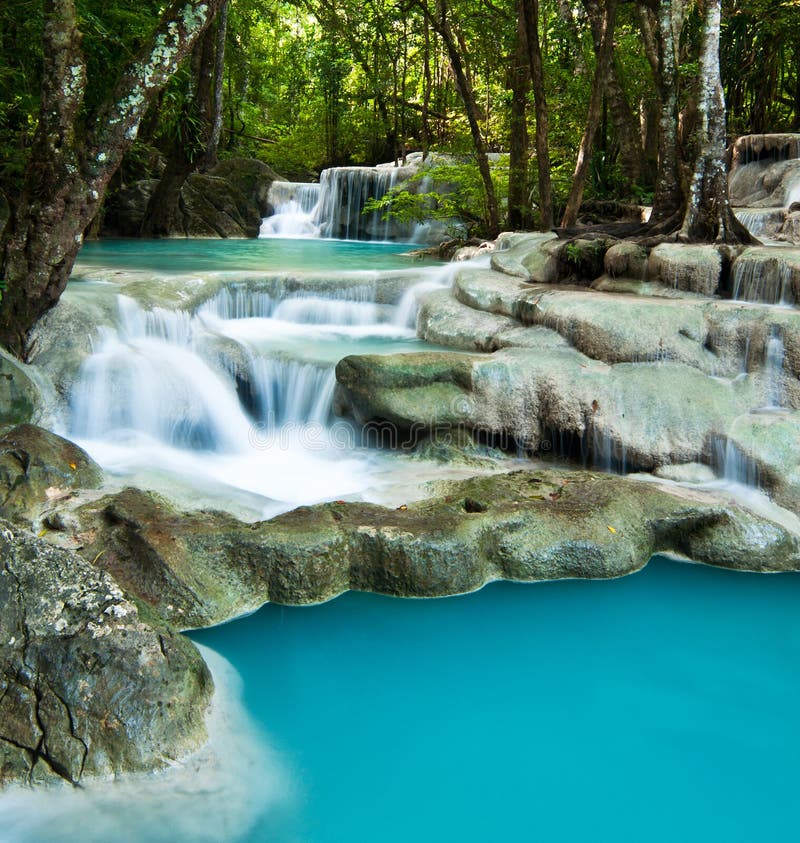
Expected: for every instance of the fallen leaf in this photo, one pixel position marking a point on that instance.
(53, 493)
(611, 529)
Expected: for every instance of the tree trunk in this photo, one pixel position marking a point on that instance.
(67, 175)
(164, 214)
(628, 137)
(520, 81)
(709, 216)
(668, 200)
(441, 23)
(604, 56)
(530, 10)
(212, 147)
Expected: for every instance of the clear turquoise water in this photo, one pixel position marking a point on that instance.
(659, 707)
(271, 254)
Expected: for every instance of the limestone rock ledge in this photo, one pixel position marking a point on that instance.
(89, 685)
(200, 568)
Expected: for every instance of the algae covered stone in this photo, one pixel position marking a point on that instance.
(89, 686)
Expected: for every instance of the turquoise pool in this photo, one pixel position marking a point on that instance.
(659, 707)
(264, 255)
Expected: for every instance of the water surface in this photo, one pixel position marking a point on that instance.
(659, 707)
(263, 255)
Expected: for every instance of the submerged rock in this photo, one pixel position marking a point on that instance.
(89, 686)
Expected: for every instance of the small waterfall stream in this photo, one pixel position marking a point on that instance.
(758, 280)
(334, 208)
(235, 398)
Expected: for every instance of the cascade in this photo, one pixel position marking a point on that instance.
(334, 207)
(773, 370)
(237, 395)
(438, 279)
(732, 465)
(760, 221)
(764, 181)
(296, 205)
(758, 280)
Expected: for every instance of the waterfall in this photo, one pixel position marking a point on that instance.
(296, 206)
(234, 401)
(292, 392)
(732, 465)
(773, 371)
(748, 149)
(761, 221)
(147, 378)
(334, 207)
(760, 279)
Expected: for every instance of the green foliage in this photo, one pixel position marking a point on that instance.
(312, 83)
(447, 191)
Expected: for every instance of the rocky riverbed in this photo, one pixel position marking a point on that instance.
(603, 354)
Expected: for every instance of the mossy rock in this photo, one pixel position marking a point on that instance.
(20, 398)
(38, 467)
(89, 685)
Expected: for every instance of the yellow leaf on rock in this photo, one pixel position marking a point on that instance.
(611, 529)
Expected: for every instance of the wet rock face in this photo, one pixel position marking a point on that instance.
(19, 396)
(228, 201)
(88, 687)
(37, 467)
(194, 569)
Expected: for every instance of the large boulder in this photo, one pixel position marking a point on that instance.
(193, 569)
(38, 467)
(626, 415)
(764, 448)
(531, 257)
(227, 201)
(89, 686)
(790, 230)
(695, 269)
(766, 184)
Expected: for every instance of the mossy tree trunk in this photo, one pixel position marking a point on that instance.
(74, 155)
(709, 216)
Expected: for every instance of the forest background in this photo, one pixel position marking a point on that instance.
(598, 99)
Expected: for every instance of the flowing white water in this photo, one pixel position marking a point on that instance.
(757, 279)
(761, 222)
(334, 208)
(437, 279)
(231, 406)
(296, 210)
(774, 372)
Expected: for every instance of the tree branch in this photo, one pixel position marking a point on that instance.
(117, 122)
